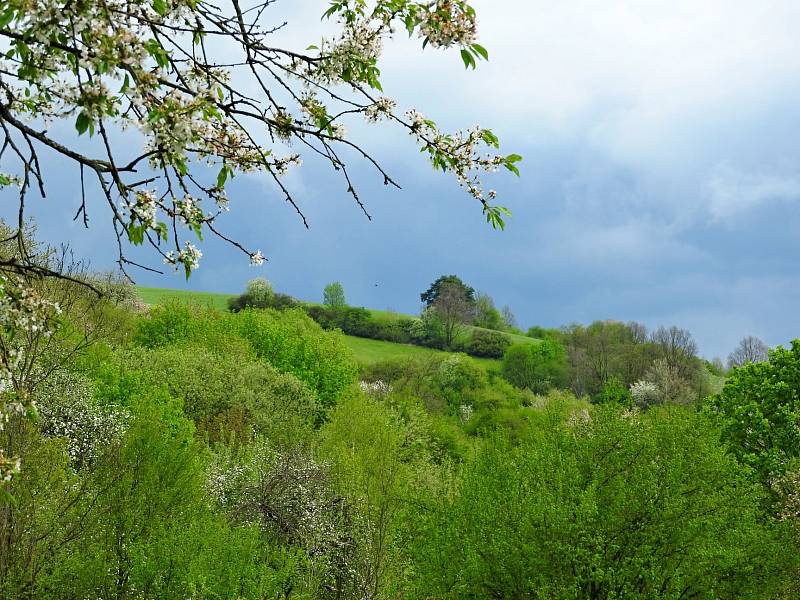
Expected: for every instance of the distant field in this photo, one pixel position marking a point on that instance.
(371, 351)
(156, 295)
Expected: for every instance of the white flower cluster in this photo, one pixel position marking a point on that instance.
(380, 109)
(67, 409)
(447, 23)
(579, 420)
(378, 388)
(189, 257)
(645, 393)
(188, 209)
(256, 259)
(458, 153)
(360, 44)
(285, 493)
(465, 412)
(143, 208)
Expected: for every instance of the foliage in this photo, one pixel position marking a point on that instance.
(488, 344)
(431, 295)
(486, 313)
(333, 295)
(259, 294)
(293, 343)
(759, 408)
(614, 391)
(454, 307)
(645, 394)
(227, 398)
(602, 504)
(536, 367)
(673, 389)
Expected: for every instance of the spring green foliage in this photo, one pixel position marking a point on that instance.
(289, 341)
(198, 453)
(601, 504)
(759, 407)
(536, 367)
(333, 295)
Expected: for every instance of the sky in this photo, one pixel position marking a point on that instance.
(660, 180)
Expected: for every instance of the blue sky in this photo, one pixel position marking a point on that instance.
(661, 178)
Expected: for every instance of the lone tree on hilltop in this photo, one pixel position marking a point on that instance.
(333, 295)
(455, 307)
(430, 295)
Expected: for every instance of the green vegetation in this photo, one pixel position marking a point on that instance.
(153, 296)
(190, 451)
(367, 351)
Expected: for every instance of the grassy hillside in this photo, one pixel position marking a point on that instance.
(369, 351)
(366, 350)
(155, 295)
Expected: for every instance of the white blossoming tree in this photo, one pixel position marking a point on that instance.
(177, 97)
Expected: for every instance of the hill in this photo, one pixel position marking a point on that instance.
(366, 350)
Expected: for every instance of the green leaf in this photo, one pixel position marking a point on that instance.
(82, 123)
(481, 50)
(222, 176)
(6, 17)
(469, 60)
(509, 163)
(160, 6)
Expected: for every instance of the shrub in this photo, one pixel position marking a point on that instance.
(759, 408)
(615, 391)
(226, 397)
(276, 300)
(645, 394)
(294, 343)
(611, 506)
(488, 344)
(534, 366)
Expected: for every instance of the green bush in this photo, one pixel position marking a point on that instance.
(228, 398)
(488, 344)
(293, 343)
(534, 366)
(759, 408)
(176, 322)
(603, 504)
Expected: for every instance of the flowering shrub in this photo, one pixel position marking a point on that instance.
(645, 394)
(25, 320)
(378, 388)
(67, 409)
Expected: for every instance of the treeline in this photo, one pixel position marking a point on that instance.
(605, 361)
(622, 362)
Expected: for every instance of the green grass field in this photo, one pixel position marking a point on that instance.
(369, 351)
(156, 295)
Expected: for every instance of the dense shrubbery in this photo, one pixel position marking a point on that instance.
(604, 504)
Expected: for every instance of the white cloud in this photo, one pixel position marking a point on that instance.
(732, 193)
